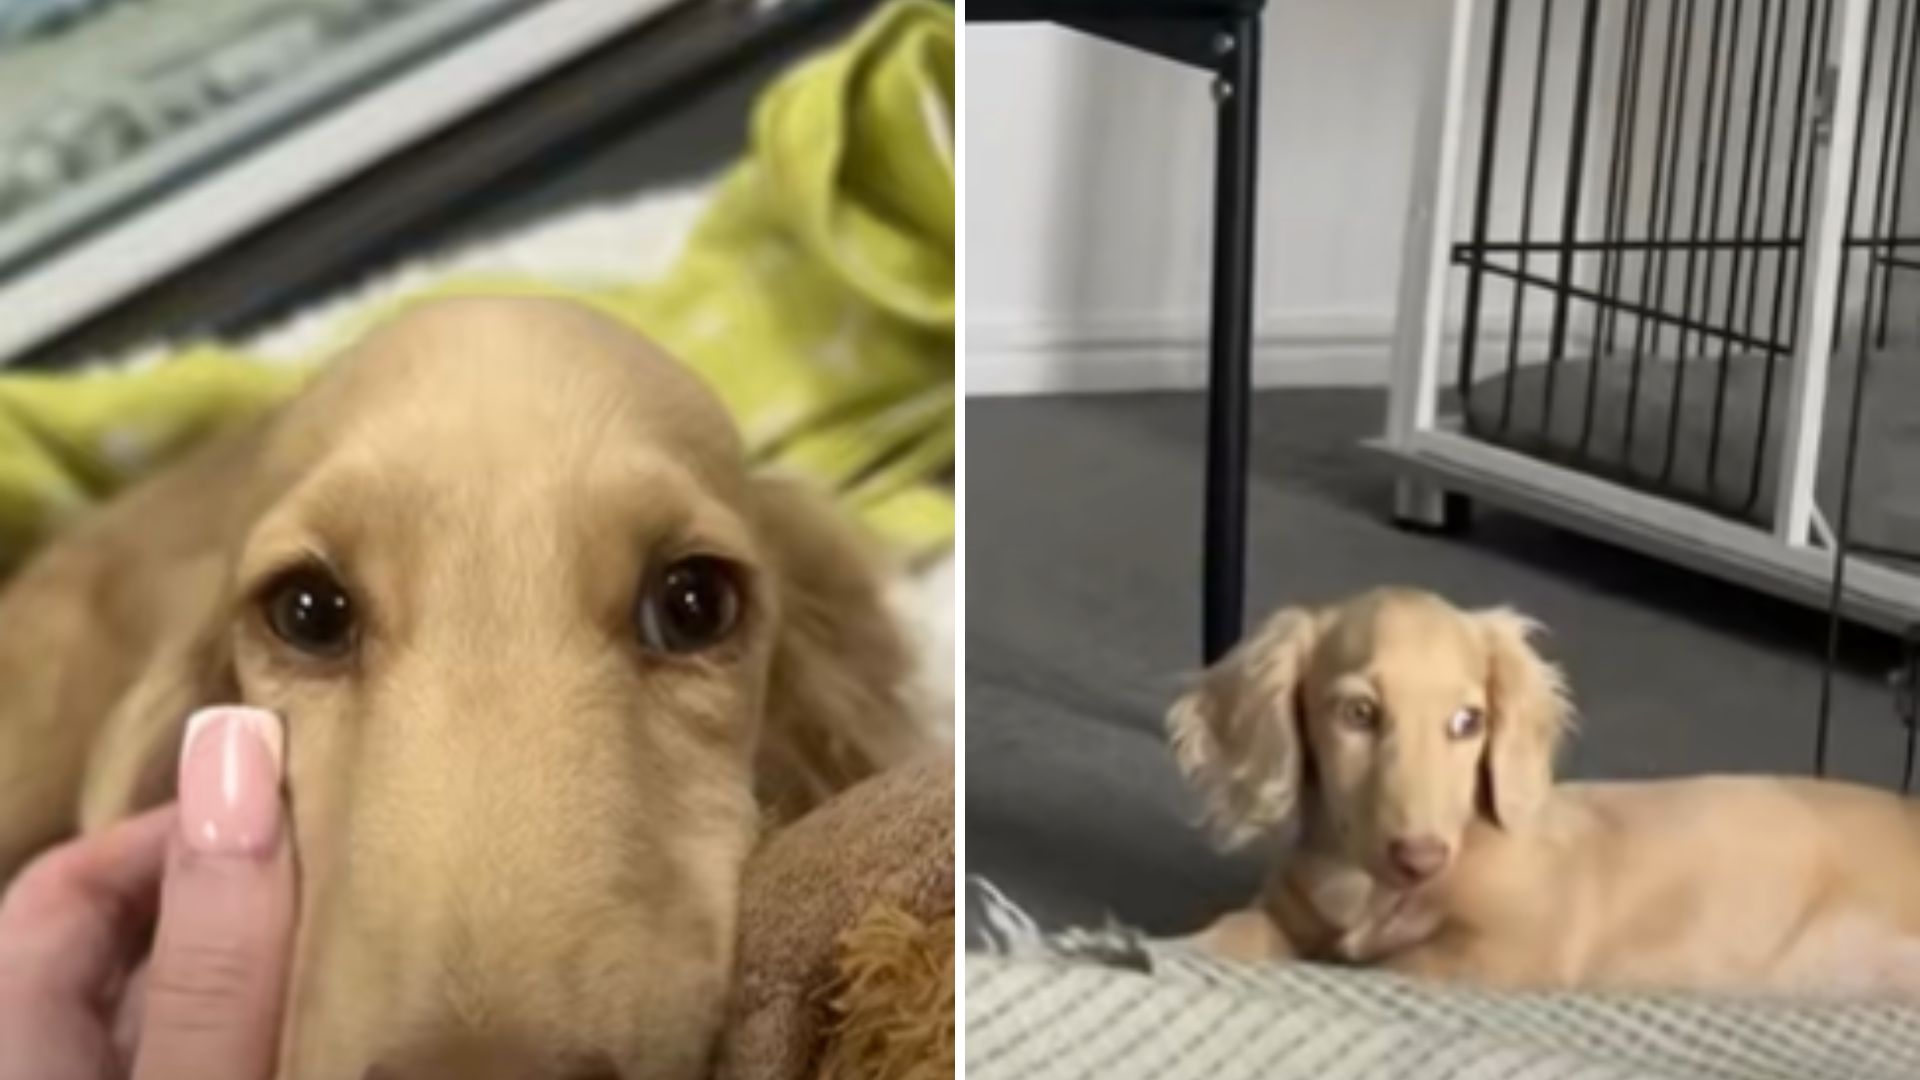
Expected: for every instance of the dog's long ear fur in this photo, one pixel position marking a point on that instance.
(130, 639)
(837, 707)
(1529, 715)
(132, 767)
(1237, 734)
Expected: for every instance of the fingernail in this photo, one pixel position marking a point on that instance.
(230, 767)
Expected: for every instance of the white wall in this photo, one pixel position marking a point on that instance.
(1089, 198)
(1089, 193)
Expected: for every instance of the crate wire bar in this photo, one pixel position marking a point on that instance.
(1654, 245)
(1657, 251)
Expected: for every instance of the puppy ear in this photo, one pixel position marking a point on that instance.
(837, 708)
(189, 667)
(1237, 733)
(1529, 714)
(141, 586)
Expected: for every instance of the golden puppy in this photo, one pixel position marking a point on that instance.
(1415, 742)
(539, 639)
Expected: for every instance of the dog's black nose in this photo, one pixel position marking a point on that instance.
(1417, 858)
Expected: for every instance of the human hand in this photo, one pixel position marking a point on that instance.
(78, 1001)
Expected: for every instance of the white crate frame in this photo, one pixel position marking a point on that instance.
(1792, 557)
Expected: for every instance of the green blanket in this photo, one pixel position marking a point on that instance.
(815, 296)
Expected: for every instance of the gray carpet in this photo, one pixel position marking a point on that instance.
(1082, 615)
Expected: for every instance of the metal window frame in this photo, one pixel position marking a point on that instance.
(425, 191)
(54, 294)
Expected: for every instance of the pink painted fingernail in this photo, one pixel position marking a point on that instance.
(230, 768)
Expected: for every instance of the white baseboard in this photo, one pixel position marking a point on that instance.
(1332, 349)
(1055, 357)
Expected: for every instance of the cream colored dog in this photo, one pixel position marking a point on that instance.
(547, 654)
(1416, 743)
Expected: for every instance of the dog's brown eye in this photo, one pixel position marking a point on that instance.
(309, 610)
(1466, 723)
(1361, 715)
(689, 606)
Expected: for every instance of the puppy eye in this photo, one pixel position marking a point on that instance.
(1360, 714)
(306, 608)
(691, 605)
(1466, 723)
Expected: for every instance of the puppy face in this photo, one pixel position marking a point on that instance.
(1400, 716)
(539, 640)
(1394, 711)
(519, 623)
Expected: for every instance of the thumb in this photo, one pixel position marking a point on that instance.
(217, 977)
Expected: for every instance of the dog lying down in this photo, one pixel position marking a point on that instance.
(1415, 743)
(549, 658)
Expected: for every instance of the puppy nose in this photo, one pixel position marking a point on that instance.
(1418, 858)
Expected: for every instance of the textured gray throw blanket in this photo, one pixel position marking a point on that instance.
(1111, 1004)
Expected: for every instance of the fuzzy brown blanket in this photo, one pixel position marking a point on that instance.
(847, 939)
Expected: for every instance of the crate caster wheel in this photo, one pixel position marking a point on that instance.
(1419, 507)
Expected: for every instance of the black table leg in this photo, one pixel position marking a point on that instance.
(1230, 350)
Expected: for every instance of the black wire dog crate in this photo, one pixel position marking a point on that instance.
(1660, 286)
